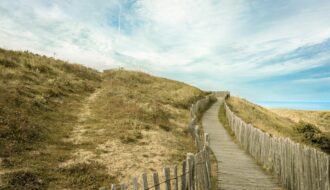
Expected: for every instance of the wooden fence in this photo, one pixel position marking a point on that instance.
(297, 166)
(193, 174)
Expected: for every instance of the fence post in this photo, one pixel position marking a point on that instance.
(206, 169)
(135, 184)
(145, 181)
(167, 175)
(206, 139)
(113, 187)
(176, 182)
(190, 161)
(208, 166)
(196, 171)
(183, 177)
(156, 180)
(197, 139)
(123, 186)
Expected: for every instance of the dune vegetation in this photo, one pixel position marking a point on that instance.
(321, 119)
(301, 130)
(65, 126)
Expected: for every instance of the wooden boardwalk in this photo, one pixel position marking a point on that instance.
(236, 169)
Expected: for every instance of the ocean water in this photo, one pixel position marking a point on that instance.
(295, 105)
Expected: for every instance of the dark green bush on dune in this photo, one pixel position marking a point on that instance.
(313, 135)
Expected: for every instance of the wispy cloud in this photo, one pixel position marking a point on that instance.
(241, 46)
(313, 80)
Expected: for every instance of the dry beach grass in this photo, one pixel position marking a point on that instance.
(321, 119)
(65, 126)
(300, 128)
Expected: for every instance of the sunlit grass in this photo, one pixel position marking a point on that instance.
(300, 130)
(54, 135)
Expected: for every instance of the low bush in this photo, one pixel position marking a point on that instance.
(311, 134)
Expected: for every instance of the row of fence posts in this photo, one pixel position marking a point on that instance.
(195, 171)
(297, 166)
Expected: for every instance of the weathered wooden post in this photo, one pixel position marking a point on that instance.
(197, 139)
(176, 182)
(206, 139)
(145, 181)
(183, 177)
(156, 180)
(167, 175)
(190, 161)
(135, 184)
(123, 186)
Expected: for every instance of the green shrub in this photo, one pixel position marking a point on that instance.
(311, 134)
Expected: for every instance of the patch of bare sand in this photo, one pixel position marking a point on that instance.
(128, 160)
(77, 136)
(85, 114)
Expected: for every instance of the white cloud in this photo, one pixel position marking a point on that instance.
(230, 41)
(313, 80)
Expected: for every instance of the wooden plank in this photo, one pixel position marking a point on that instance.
(204, 172)
(156, 180)
(176, 180)
(145, 181)
(189, 167)
(113, 187)
(135, 183)
(167, 175)
(206, 139)
(184, 175)
(197, 138)
(123, 186)
(190, 161)
(195, 177)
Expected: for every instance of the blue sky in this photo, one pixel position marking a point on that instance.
(258, 49)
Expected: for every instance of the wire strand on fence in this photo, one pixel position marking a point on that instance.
(185, 173)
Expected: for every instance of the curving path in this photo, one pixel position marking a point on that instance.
(236, 169)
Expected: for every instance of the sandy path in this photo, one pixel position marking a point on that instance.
(121, 160)
(236, 169)
(84, 115)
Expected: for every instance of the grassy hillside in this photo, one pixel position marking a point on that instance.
(321, 119)
(268, 121)
(67, 126)
(136, 123)
(35, 92)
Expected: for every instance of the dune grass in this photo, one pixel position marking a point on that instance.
(65, 126)
(35, 92)
(39, 97)
(140, 121)
(274, 124)
(223, 119)
(321, 119)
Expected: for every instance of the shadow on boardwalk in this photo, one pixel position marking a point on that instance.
(236, 169)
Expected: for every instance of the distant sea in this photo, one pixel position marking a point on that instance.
(295, 105)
